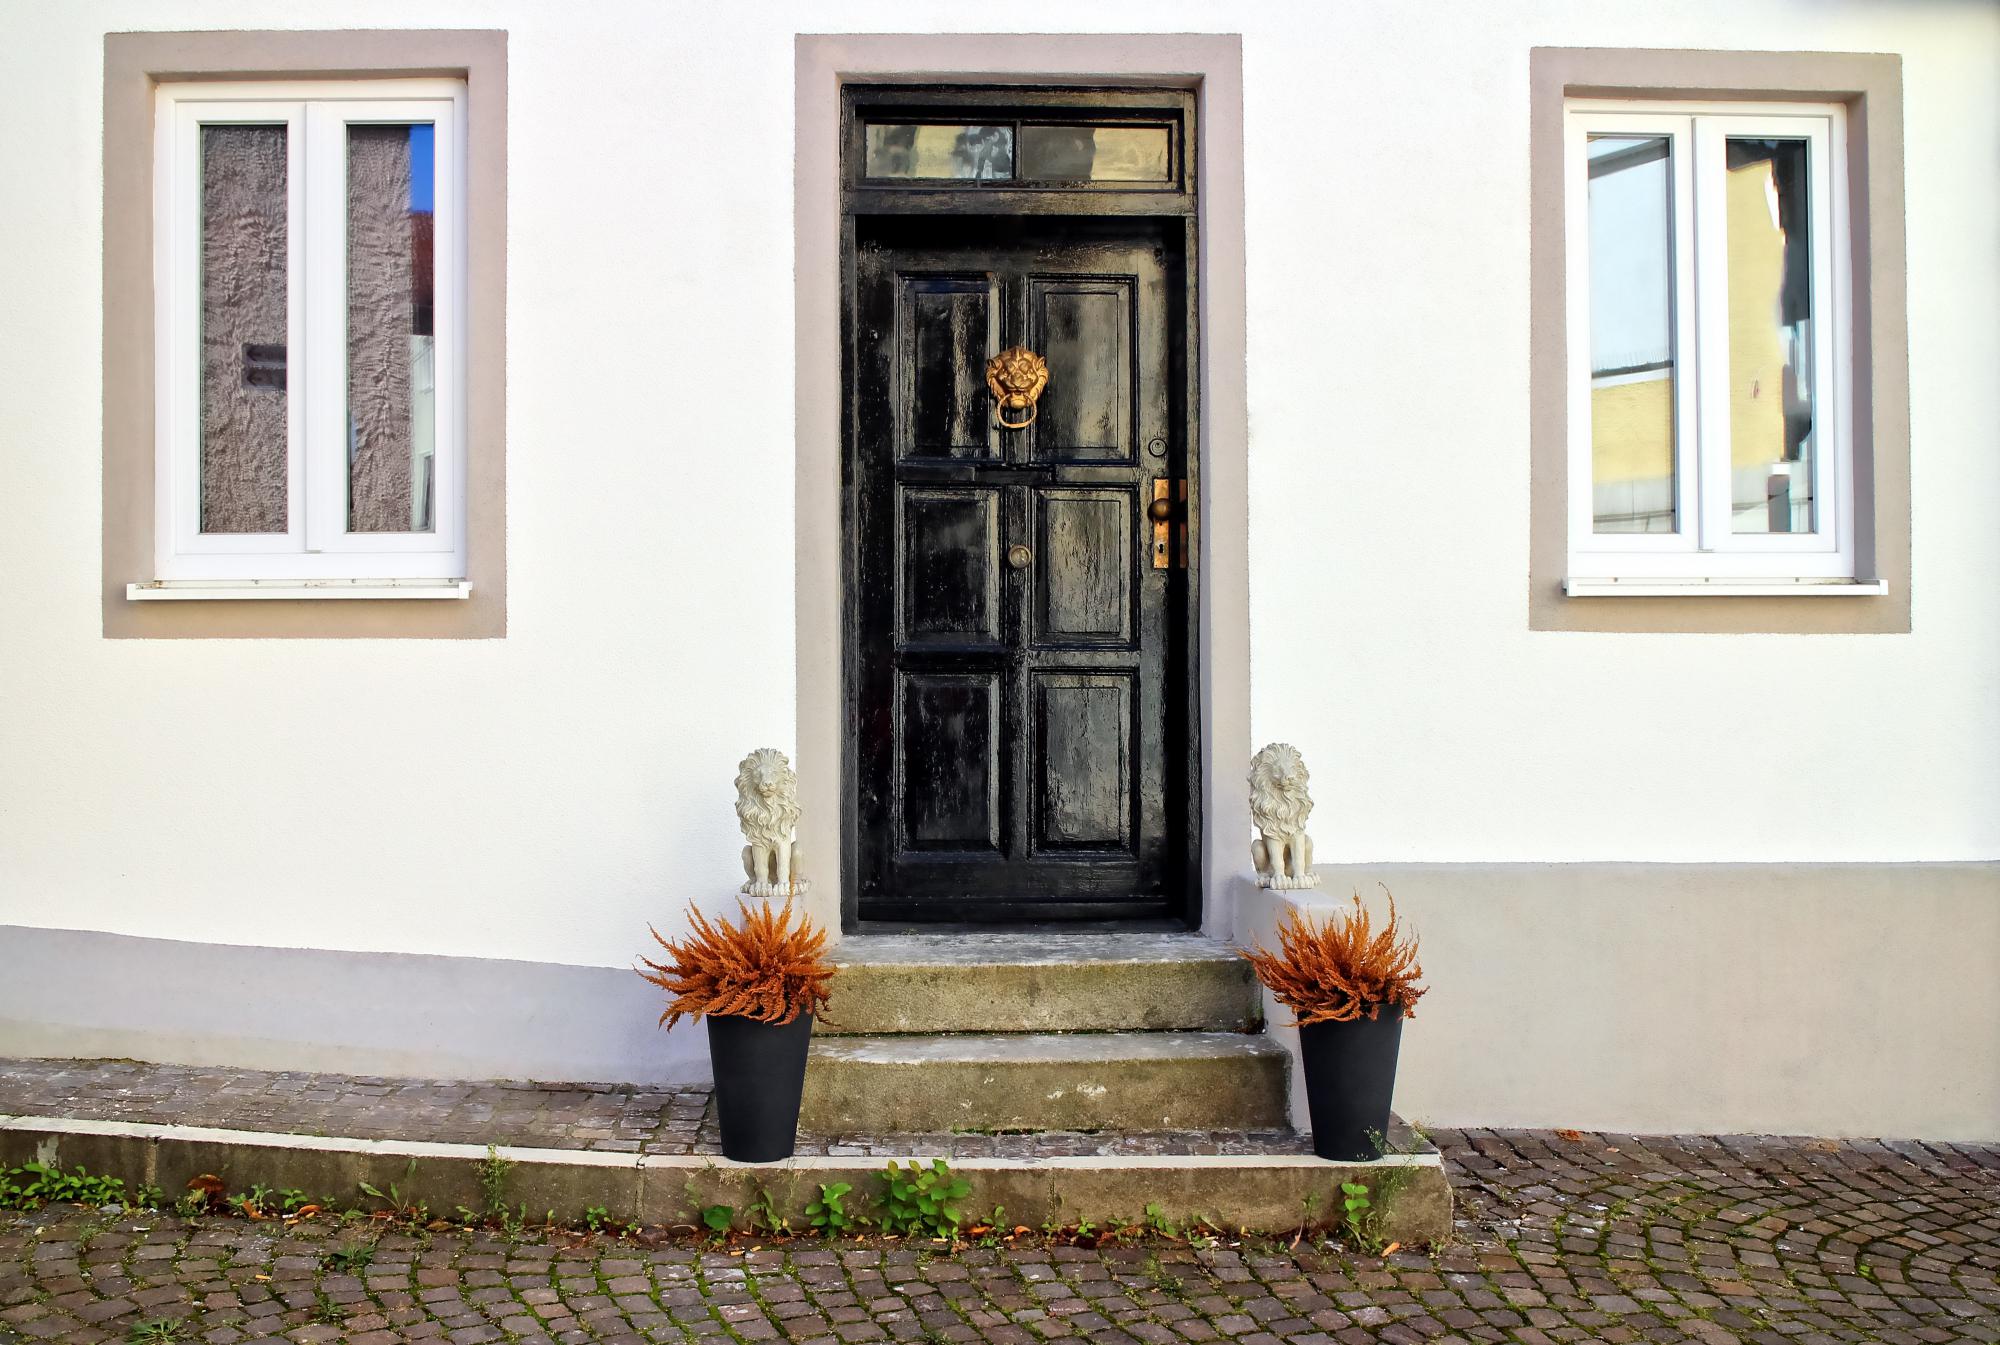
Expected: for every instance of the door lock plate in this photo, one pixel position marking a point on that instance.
(1168, 513)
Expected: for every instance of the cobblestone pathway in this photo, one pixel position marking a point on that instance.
(1592, 1238)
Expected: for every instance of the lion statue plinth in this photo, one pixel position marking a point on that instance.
(1279, 806)
(767, 805)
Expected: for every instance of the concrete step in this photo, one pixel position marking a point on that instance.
(1264, 1189)
(971, 982)
(1092, 1081)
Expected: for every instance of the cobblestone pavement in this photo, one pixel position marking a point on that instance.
(1562, 1237)
(615, 1118)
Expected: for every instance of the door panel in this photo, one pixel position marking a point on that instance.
(1083, 328)
(951, 768)
(1016, 745)
(950, 324)
(1083, 767)
(949, 575)
(1084, 587)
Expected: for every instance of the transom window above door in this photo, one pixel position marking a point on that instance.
(310, 310)
(996, 137)
(1709, 343)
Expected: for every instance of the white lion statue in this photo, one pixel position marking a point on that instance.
(1279, 806)
(767, 804)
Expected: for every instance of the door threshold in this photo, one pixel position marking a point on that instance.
(1151, 925)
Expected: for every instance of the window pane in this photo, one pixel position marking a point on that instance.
(244, 465)
(1096, 153)
(1771, 377)
(971, 152)
(390, 343)
(1632, 334)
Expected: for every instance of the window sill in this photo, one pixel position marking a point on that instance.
(1724, 588)
(295, 590)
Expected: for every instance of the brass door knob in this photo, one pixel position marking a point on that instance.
(1160, 510)
(1019, 557)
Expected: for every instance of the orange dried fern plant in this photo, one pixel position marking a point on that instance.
(1342, 969)
(770, 970)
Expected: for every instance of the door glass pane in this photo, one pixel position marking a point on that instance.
(244, 466)
(966, 152)
(391, 345)
(1632, 334)
(1096, 153)
(1772, 383)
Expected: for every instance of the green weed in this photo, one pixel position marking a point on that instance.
(829, 1215)
(923, 1201)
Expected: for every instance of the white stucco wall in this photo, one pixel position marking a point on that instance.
(544, 796)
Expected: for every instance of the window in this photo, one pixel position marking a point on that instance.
(309, 280)
(1708, 344)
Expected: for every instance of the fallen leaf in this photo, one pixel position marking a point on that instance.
(1571, 1135)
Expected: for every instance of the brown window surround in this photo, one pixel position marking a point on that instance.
(134, 65)
(1871, 87)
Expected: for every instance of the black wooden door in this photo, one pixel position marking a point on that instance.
(1019, 737)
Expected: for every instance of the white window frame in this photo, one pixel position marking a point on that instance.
(316, 544)
(1705, 550)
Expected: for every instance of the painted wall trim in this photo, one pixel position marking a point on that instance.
(1212, 64)
(1871, 86)
(134, 64)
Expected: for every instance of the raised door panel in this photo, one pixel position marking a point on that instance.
(949, 326)
(949, 761)
(1084, 574)
(1084, 329)
(948, 566)
(1084, 766)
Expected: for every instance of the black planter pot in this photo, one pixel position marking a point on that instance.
(760, 1070)
(1350, 1076)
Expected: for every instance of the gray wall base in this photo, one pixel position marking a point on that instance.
(78, 993)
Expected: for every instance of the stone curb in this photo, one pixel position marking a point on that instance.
(1256, 1193)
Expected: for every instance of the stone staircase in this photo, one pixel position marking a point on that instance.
(989, 1033)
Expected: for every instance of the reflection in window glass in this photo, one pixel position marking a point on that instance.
(1771, 389)
(1096, 153)
(244, 458)
(1631, 334)
(391, 345)
(965, 152)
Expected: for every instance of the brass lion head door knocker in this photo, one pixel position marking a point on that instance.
(1016, 378)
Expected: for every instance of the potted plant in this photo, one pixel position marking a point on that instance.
(759, 986)
(1349, 987)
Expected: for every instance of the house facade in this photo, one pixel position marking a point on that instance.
(446, 441)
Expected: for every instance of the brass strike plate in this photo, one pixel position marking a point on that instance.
(1170, 531)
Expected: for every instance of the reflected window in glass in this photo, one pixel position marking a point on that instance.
(310, 279)
(1770, 336)
(391, 346)
(1632, 334)
(940, 152)
(1702, 259)
(245, 311)
(1097, 153)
